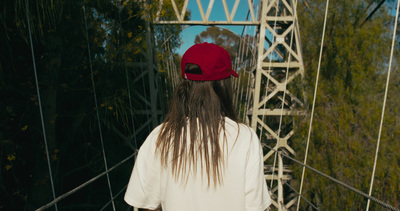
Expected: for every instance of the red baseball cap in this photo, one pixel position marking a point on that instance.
(214, 61)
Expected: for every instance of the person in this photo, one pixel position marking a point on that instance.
(200, 157)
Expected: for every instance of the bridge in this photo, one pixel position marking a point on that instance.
(270, 94)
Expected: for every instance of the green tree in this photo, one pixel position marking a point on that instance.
(168, 38)
(348, 105)
(63, 32)
(222, 37)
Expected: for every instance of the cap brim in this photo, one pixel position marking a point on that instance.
(235, 74)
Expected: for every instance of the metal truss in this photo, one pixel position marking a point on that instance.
(276, 96)
(180, 13)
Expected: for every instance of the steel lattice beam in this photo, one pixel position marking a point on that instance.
(230, 15)
(279, 64)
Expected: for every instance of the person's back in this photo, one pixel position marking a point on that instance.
(200, 158)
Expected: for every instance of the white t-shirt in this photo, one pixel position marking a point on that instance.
(243, 187)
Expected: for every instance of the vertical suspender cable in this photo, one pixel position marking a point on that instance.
(128, 88)
(242, 88)
(170, 63)
(130, 106)
(145, 96)
(238, 60)
(241, 81)
(236, 81)
(250, 75)
(40, 104)
(97, 109)
(247, 100)
(313, 105)
(384, 103)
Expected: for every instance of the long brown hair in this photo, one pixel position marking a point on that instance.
(198, 108)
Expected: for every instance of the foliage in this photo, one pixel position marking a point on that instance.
(167, 41)
(63, 33)
(222, 37)
(346, 120)
(348, 105)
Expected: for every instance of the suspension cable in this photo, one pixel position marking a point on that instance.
(40, 104)
(242, 81)
(145, 94)
(97, 108)
(383, 204)
(305, 199)
(238, 59)
(384, 102)
(116, 195)
(131, 107)
(65, 195)
(170, 63)
(128, 88)
(313, 105)
(250, 84)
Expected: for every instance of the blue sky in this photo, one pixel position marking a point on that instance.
(217, 14)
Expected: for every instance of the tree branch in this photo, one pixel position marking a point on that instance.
(373, 12)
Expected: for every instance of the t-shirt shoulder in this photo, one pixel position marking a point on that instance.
(244, 130)
(149, 145)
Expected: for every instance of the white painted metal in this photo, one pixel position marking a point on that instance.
(274, 59)
(152, 79)
(229, 15)
(280, 185)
